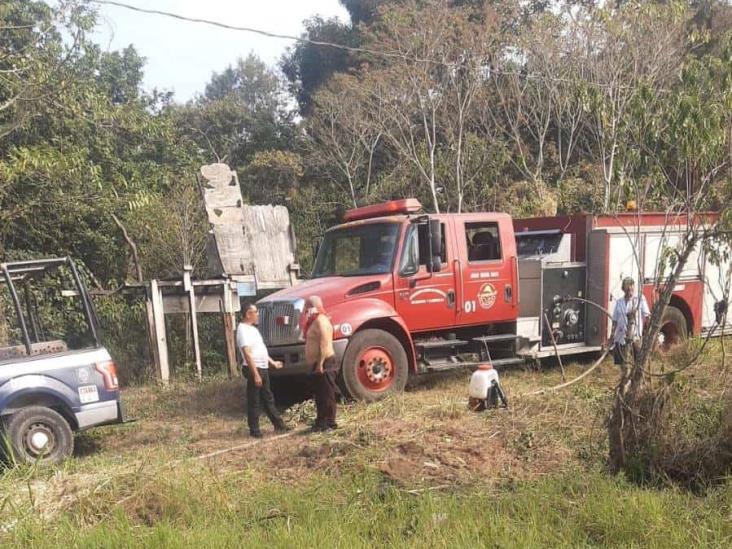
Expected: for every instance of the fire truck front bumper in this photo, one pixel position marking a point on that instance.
(293, 358)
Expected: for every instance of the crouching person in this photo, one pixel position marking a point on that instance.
(320, 354)
(256, 365)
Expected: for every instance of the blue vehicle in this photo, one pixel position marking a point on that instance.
(55, 375)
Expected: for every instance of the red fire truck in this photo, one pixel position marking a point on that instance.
(410, 293)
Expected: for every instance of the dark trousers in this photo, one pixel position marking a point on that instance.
(258, 397)
(625, 353)
(324, 389)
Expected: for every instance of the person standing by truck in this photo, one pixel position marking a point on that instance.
(629, 315)
(319, 352)
(257, 363)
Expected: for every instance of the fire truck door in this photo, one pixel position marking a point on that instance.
(426, 301)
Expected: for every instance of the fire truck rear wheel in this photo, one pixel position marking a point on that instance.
(374, 366)
(673, 329)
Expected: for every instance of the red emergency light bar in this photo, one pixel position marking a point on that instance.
(393, 207)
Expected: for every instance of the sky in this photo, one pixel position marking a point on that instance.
(181, 56)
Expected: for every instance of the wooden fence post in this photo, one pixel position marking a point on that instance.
(161, 341)
(188, 287)
(229, 324)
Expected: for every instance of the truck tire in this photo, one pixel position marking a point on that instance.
(374, 366)
(37, 434)
(673, 329)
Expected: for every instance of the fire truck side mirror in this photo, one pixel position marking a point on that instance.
(436, 266)
(435, 237)
(434, 263)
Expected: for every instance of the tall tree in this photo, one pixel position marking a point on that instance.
(36, 62)
(244, 110)
(424, 94)
(344, 136)
(618, 52)
(308, 66)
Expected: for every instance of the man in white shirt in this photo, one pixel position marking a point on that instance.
(256, 364)
(629, 315)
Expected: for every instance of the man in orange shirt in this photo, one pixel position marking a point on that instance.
(320, 354)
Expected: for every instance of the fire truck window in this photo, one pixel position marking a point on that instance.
(483, 241)
(531, 245)
(346, 255)
(410, 257)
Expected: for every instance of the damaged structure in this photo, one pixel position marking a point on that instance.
(250, 250)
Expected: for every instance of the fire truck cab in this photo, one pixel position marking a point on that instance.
(410, 293)
(407, 293)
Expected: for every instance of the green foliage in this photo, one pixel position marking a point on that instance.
(192, 506)
(124, 332)
(120, 75)
(244, 111)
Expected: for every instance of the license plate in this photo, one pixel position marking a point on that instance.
(88, 393)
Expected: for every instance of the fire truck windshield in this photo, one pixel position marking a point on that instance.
(355, 251)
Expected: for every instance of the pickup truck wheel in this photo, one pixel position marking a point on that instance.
(374, 365)
(39, 434)
(673, 329)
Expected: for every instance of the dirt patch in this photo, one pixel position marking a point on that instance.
(449, 454)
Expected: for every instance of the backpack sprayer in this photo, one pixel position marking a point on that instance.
(485, 389)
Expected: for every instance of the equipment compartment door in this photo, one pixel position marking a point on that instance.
(566, 318)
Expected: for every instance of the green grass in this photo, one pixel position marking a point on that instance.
(196, 507)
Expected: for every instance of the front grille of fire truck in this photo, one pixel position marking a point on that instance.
(279, 322)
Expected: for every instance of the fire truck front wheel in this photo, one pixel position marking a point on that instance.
(673, 329)
(374, 365)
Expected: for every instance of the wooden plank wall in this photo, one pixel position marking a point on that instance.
(271, 249)
(246, 240)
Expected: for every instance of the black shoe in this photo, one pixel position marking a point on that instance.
(332, 425)
(256, 434)
(318, 427)
(283, 429)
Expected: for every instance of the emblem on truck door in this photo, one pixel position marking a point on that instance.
(83, 375)
(428, 295)
(487, 295)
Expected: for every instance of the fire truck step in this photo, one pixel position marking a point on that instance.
(500, 362)
(448, 365)
(453, 365)
(496, 338)
(439, 343)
